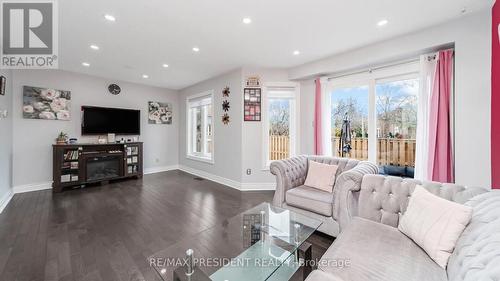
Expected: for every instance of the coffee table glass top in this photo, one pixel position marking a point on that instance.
(253, 245)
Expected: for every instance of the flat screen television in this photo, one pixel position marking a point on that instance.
(102, 120)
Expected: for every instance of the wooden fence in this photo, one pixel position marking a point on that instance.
(397, 152)
(279, 147)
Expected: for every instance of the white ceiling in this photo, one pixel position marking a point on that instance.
(148, 33)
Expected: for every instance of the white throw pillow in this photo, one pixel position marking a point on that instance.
(321, 176)
(434, 223)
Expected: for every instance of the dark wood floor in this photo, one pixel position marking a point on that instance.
(107, 232)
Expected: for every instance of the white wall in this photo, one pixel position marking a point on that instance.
(252, 153)
(6, 142)
(227, 138)
(33, 139)
(471, 36)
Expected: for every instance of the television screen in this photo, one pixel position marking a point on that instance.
(101, 121)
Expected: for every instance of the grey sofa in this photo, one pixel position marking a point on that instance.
(331, 208)
(372, 248)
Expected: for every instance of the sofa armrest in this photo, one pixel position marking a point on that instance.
(289, 173)
(346, 192)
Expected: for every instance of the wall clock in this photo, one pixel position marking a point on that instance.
(114, 89)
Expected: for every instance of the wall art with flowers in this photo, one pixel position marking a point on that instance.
(159, 113)
(48, 104)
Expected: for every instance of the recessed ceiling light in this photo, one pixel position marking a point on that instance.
(296, 52)
(165, 65)
(196, 49)
(94, 47)
(247, 20)
(145, 76)
(86, 64)
(382, 22)
(109, 17)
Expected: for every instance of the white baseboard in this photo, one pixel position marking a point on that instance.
(258, 186)
(218, 179)
(4, 201)
(155, 170)
(32, 187)
(228, 182)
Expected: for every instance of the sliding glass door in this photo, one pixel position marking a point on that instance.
(374, 115)
(349, 106)
(397, 105)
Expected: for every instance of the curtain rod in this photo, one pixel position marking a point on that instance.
(370, 69)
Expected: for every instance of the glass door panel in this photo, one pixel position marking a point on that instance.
(396, 109)
(349, 121)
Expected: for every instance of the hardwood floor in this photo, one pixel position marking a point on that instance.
(107, 232)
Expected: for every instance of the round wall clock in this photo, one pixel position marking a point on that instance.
(114, 89)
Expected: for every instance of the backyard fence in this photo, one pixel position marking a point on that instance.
(279, 147)
(390, 151)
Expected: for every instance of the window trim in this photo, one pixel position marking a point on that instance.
(295, 136)
(370, 79)
(194, 155)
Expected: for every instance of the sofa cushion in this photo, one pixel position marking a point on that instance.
(310, 199)
(434, 223)
(477, 253)
(318, 275)
(378, 252)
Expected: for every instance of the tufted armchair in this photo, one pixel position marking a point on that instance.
(377, 250)
(334, 209)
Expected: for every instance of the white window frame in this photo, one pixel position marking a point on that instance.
(370, 79)
(192, 102)
(294, 118)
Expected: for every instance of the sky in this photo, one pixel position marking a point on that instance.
(407, 87)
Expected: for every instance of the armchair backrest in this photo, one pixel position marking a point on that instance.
(296, 167)
(384, 199)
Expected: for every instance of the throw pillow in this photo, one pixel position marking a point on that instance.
(434, 223)
(321, 176)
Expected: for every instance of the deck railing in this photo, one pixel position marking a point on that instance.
(390, 151)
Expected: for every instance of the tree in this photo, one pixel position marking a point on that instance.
(279, 112)
(349, 107)
(396, 111)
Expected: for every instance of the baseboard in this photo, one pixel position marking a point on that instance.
(32, 187)
(4, 201)
(257, 186)
(155, 170)
(228, 182)
(218, 179)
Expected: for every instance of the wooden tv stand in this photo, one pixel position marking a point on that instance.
(81, 164)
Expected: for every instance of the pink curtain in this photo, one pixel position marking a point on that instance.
(440, 140)
(318, 143)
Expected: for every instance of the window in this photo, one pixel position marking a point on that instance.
(380, 111)
(396, 102)
(280, 122)
(350, 106)
(200, 143)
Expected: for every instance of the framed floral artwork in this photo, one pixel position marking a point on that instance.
(47, 104)
(159, 113)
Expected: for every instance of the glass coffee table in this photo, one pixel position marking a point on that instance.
(263, 243)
